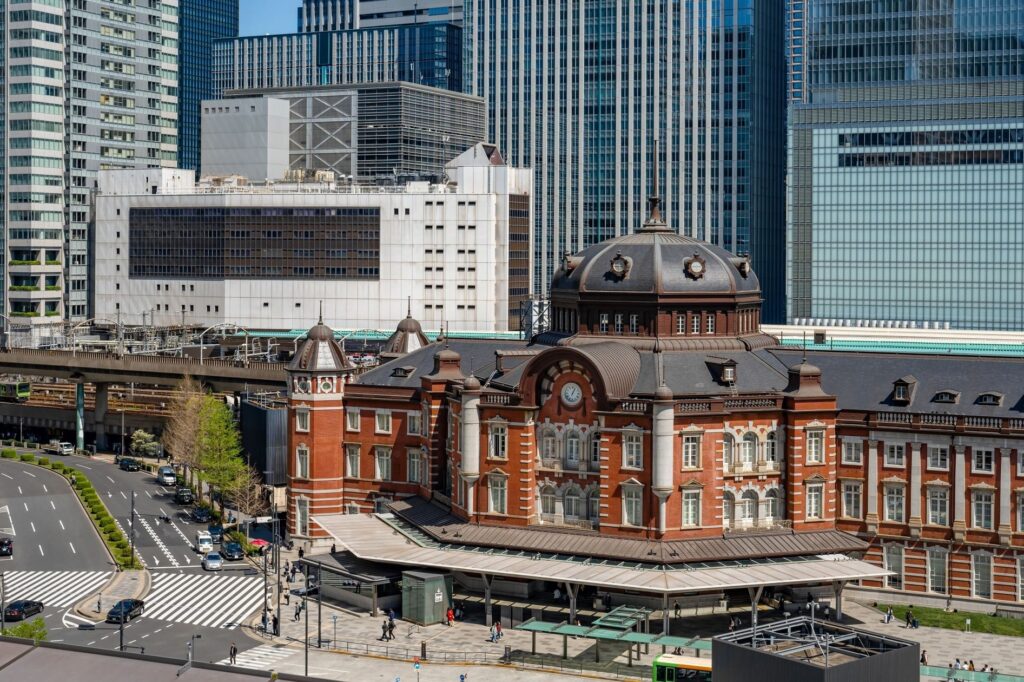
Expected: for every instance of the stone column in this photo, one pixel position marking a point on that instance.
(664, 453)
(79, 416)
(470, 442)
(1005, 496)
(959, 492)
(915, 489)
(871, 516)
(99, 415)
(837, 590)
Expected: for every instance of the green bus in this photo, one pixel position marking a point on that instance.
(15, 391)
(672, 667)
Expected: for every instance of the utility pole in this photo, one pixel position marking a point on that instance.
(266, 606)
(3, 604)
(131, 524)
(121, 453)
(305, 607)
(319, 605)
(120, 629)
(277, 560)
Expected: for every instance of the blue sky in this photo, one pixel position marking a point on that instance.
(258, 17)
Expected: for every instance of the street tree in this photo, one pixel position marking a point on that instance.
(181, 433)
(144, 444)
(220, 447)
(247, 493)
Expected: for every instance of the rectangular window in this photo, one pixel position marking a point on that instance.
(352, 461)
(815, 504)
(981, 570)
(711, 324)
(680, 324)
(383, 421)
(632, 506)
(352, 420)
(695, 324)
(691, 508)
(852, 500)
(894, 497)
(413, 470)
(894, 562)
(894, 455)
(618, 323)
(302, 419)
(604, 323)
(981, 505)
(632, 451)
(498, 494)
(412, 425)
(382, 462)
(937, 571)
(302, 462)
(302, 515)
(938, 506)
(691, 452)
(634, 324)
(853, 452)
(984, 461)
(498, 442)
(938, 457)
(815, 447)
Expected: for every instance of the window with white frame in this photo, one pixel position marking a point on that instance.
(604, 323)
(938, 506)
(302, 419)
(748, 451)
(695, 326)
(773, 504)
(815, 503)
(981, 574)
(594, 505)
(853, 452)
(691, 451)
(634, 324)
(981, 509)
(572, 449)
(352, 461)
(595, 450)
(549, 444)
(691, 508)
(498, 441)
(895, 455)
(984, 460)
(412, 424)
(302, 462)
(938, 457)
(728, 445)
(302, 515)
(748, 507)
(497, 488)
(728, 509)
(680, 324)
(938, 571)
(815, 447)
(352, 420)
(852, 499)
(547, 500)
(632, 451)
(382, 463)
(571, 504)
(383, 421)
(893, 558)
(632, 505)
(413, 472)
(894, 503)
(771, 448)
(618, 323)
(710, 324)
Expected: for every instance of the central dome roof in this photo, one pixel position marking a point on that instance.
(656, 261)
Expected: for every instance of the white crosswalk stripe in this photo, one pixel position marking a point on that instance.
(201, 599)
(262, 657)
(54, 588)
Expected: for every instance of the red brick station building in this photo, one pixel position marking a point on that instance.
(656, 443)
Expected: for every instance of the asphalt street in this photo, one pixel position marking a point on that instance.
(51, 532)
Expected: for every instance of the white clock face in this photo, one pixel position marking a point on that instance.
(696, 267)
(572, 394)
(326, 386)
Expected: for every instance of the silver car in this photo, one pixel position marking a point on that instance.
(165, 476)
(213, 562)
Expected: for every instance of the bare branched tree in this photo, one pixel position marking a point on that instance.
(181, 434)
(247, 493)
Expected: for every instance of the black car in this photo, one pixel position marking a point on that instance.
(216, 532)
(232, 551)
(21, 609)
(129, 464)
(184, 496)
(125, 610)
(201, 515)
(6, 547)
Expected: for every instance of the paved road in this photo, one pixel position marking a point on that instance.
(44, 517)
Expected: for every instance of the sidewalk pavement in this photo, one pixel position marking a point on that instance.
(124, 585)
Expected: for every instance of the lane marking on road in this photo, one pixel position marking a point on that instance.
(33, 524)
(148, 495)
(162, 512)
(19, 491)
(44, 489)
(123, 495)
(6, 476)
(26, 506)
(85, 467)
(53, 506)
(28, 473)
(111, 480)
(158, 541)
(91, 643)
(70, 621)
(61, 524)
(73, 551)
(41, 550)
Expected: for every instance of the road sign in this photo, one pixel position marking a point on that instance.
(416, 666)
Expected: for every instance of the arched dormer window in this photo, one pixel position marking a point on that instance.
(990, 399)
(748, 451)
(946, 397)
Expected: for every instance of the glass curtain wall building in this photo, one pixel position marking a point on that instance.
(202, 22)
(906, 163)
(580, 90)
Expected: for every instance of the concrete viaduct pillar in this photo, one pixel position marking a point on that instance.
(79, 415)
(99, 415)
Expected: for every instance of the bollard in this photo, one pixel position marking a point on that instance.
(507, 658)
(423, 651)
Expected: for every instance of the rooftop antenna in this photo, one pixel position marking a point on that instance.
(804, 359)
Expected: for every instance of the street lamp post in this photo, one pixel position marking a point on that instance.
(21, 430)
(192, 647)
(131, 525)
(3, 604)
(305, 607)
(319, 605)
(121, 451)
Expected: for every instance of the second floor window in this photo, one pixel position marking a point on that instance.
(691, 507)
(938, 457)
(382, 462)
(572, 449)
(302, 419)
(499, 438)
(852, 500)
(352, 420)
(894, 455)
(984, 461)
(302, 462)
(815, 504)
(632, 451)
(691, 452)
(938, 507)
(894, 503)
(413, 470)
(632, 506)
(853, 451)
(413, 424)
(352, 461)
(815, 447)
(981, 502)
(497, 487)
(383, 422)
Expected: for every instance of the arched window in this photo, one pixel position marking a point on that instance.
(594, 505)
(771, 453)
(748, 508)
(571, 504)
(572, 449)
(547, 500)
(728, 506)
(728, 445)
(748, 451)
(773, 505)
(549, 443)
(595, 451)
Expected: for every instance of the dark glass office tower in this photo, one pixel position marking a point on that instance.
(580, 89)
(201, 22)
(906, 163)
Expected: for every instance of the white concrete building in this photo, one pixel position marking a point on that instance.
(265, 255)
(248, 136)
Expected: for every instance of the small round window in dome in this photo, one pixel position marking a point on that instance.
(695, 266)
(620, 266)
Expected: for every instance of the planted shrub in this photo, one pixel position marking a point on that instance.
(44, 461)
(28, 458)
(8, 454)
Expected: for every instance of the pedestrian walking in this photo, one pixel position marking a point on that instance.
(301, 553)
(910, 617)
(384, 630)
(676, 610)
(494, 634)
(451, 617)
(924, 657)
(497, 628)
(391, 629)
(889, 615)
(232, 653)
(277, 625)
(298, 612)
(391, 615)
(287, 598)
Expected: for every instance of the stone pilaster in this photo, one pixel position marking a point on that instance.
(959, 492)
(871, 515)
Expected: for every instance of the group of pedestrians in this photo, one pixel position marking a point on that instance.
(910, 621)
(496, 632)
(964, 665)
(387, 628)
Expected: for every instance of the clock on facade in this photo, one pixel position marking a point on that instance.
(572, 394)
(304, 385)
(695, 266)
(326, 386)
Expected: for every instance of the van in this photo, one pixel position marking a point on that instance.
(65, 448)
(165, 476)
(204, 543)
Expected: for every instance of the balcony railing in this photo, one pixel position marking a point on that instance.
(566, 522)
(950, 421)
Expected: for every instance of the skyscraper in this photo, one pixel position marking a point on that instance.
(202, 22)
(580, 91)
(88, 85)
(906, 162)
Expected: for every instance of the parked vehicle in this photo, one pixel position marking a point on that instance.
(212, 562)
(6, 547)
(165, 476)
(201, 515)
(216, 532)
(22, 609)
(124, 610)
(129, 464)
(232, 551)
(204, 543)
(184, 496)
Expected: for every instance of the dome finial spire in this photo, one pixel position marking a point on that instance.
(408, 310)
(654, 220)
(321, 320)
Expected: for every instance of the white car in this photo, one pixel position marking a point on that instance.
(213, 562)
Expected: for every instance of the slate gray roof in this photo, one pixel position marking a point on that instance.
(477, 358)
(443, 527)
(864, 381)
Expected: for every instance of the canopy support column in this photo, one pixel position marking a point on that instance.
(573, 590)
(488, 581)
(837, 590)
(755, 597)
(665, 623)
